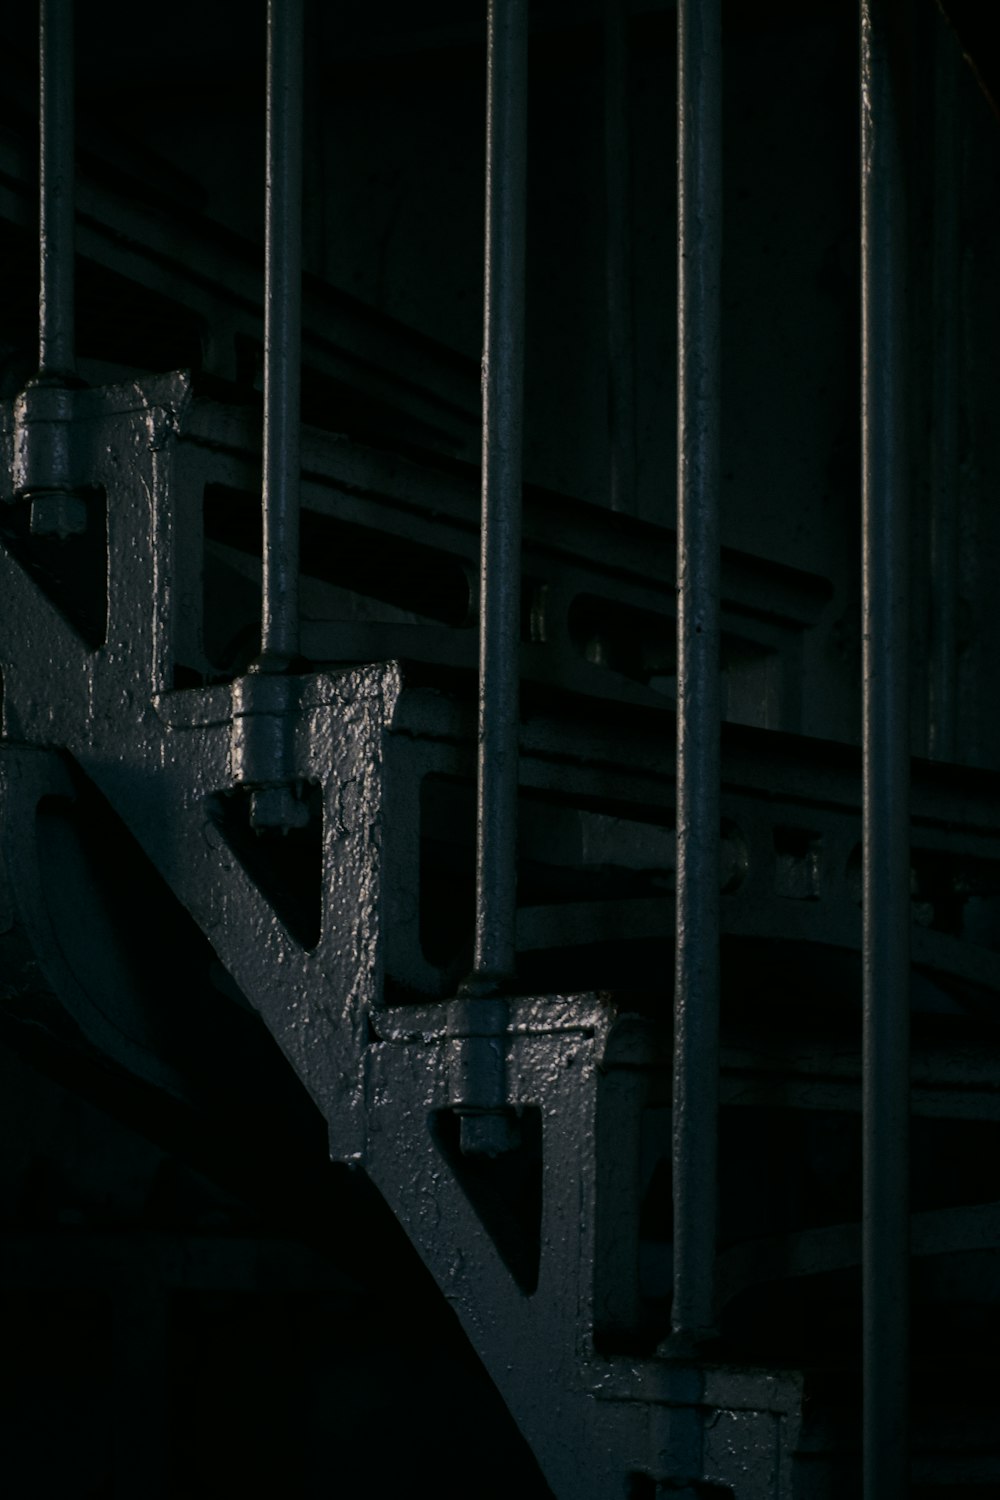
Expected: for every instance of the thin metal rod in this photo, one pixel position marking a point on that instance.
(500, 572)
(56, 311)
(282, 335)
(944, 421)
(886, 888)
(621, 340)
(696, 993)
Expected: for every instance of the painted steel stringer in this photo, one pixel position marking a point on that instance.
(660, 1418)
(511, 1245)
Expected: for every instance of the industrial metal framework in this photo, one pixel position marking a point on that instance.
(592, 948)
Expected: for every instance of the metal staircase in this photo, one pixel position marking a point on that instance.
(316, 817)
(511, 1242)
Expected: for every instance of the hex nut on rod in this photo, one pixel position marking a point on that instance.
(43, 459)
(477, 1067)
(265, 708)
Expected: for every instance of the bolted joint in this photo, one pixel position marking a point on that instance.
(44, 468)
(43, 437)
(477, 1072)
(262, 754)
(477, 1065)
(264, 713)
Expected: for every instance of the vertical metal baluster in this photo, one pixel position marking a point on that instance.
(696, 996)
(264, 700)
(621, 341)
(45, 471)
(886, 956)
(282, 336)
(944, 430)
(56, 309)
(500, 570)
(480, 1018)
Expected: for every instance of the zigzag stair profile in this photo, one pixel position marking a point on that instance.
(348, 937)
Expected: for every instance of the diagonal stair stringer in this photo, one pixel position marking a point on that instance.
(379, 1075)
